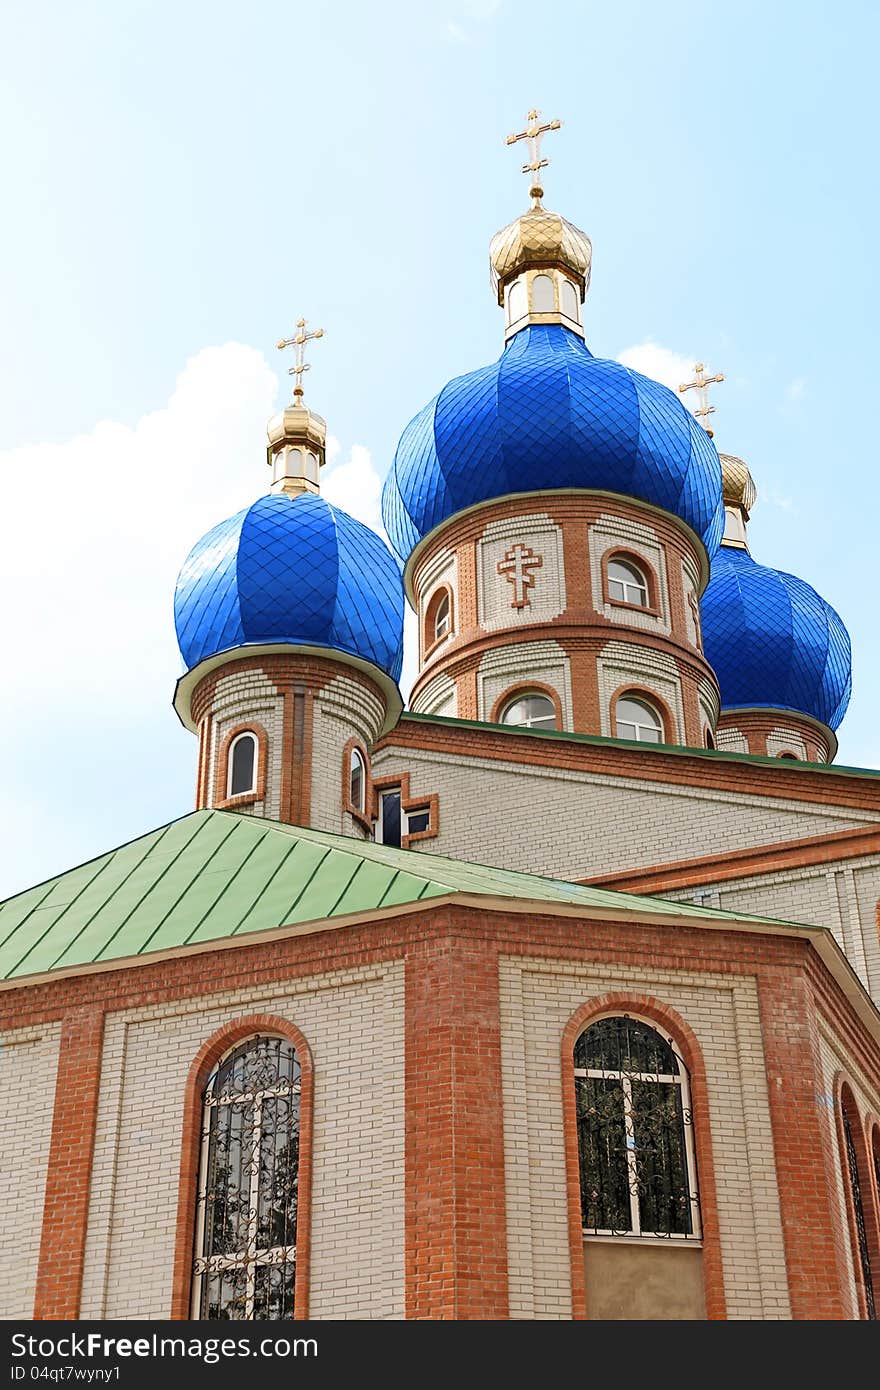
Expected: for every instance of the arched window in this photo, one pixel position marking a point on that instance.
(793, 757)
(516, 301)
(709, 737)
(530, 711)
(441, 618)
(357, 781)
(242, 774)
(248, 1177)
(570, 304)
(627, 583)
(543, 297)
(635, 1133)
(849, 1121)
(638, 720)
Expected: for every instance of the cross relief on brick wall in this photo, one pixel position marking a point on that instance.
(518, 567)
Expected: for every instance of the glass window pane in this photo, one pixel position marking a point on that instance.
(661, 1165)
(530, 712)
(357, 786)
(241, 777)
(623, 1044)
(605, 1204)
(391, 818)
(417, 821)
(543, 298)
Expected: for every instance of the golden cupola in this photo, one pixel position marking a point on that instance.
(740, 494)
(297, 436)
(540, 263)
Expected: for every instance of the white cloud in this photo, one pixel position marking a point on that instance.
(355, 486)
(796, 388)
(455, 33)
(663, 365)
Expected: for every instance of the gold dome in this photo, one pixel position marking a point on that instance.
(737, 483)
(539, 239)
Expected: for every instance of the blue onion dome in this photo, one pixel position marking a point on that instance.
(293, 570)
(771, 640)
(549, 415)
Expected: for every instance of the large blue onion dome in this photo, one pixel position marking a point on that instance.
(773, 642)
(548, 415)
(293, 570)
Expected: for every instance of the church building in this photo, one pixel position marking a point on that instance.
(552, 995)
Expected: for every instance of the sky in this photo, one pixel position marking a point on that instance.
(184, 180)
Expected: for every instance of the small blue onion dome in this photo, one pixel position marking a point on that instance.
(291, 570)
(546, 415)
(773, 642)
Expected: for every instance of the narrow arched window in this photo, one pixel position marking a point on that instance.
(516, 301)
(709, 737)
(530, 711)
(441, 618)
(357, 781)
(248, 1176)
(570, 304)
(242, 775)
(627, 583)
(638, 720)
(543, 297)
(849, 1120)
(635, 1134)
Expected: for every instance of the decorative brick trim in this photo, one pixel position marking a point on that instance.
(408, 803)
(360, 813)
(209, 1053)
(647, 696)
(527, 687)
(743, 863)
(844, 1099)
(456, 1229)
(69, 1169)
(221, 767)
(756, 726)
(629, 557)
(645, 1006)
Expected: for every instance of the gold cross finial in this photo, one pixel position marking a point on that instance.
(533, 132)
(701, 384)
(298, 343)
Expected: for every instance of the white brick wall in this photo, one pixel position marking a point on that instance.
(344, 709)
(618, 533)
(626, 663)
(570, 824)
(841, 896)
(505, 667)
(731, 741)
(354, 1024)
(537, 999)
(240, 697)
(438, 696)
(785, 741)
(494, 592)
(28, 1067)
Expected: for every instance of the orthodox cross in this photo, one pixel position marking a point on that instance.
(518, 567)
(298, 343)
(533, 132)
(701, 384)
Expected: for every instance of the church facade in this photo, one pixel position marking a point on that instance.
(551, 996)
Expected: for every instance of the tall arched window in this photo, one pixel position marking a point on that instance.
(357, 781)
(638, 720)
(242, 774)
(248, 1177)
(849, 1121)
(635, 1134)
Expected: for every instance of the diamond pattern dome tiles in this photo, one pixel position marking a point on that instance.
(293, 570)
(773, 642)
(547, 415)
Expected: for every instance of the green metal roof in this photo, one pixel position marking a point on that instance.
(214, 875)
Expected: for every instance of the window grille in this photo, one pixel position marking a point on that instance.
(248, 1178)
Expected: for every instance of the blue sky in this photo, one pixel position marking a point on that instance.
(184, 180)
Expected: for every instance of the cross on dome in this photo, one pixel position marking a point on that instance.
(532, 133)
(298, 343)
(701, 384)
